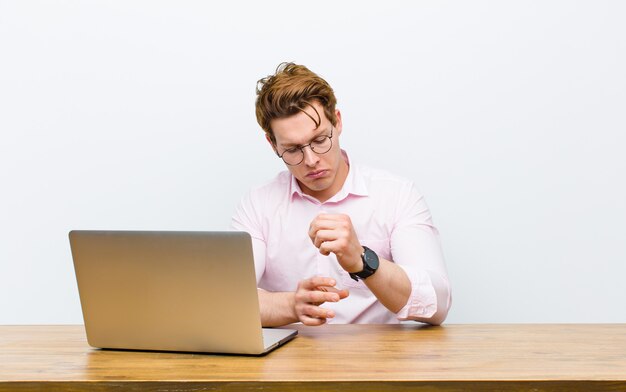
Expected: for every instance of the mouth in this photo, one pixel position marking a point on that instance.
(316, 174)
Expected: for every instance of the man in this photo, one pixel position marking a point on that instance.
(333, 241)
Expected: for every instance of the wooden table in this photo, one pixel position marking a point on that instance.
(560, 357)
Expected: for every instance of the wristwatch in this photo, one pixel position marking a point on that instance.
(370, 265)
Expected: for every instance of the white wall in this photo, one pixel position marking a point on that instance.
(510, 117)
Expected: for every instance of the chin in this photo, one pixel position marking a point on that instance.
(318, 186)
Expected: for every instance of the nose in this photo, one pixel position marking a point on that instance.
(310, 158)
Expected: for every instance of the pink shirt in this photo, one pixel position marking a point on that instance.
(389, 217)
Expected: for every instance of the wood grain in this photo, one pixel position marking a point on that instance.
(334, 357)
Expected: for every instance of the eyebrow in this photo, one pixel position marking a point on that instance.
(292, 145)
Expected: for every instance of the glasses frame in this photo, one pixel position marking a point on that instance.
(301, 148)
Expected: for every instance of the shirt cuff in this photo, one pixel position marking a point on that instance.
(422, 302)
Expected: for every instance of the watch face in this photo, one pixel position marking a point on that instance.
(371, 259)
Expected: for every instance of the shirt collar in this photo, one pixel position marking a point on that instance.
(355, 183)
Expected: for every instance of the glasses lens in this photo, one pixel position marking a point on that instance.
(293, 157)
(321, 146)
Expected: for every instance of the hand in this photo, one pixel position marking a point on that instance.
(312, 293)
(335, 233)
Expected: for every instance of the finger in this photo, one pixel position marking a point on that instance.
(332, 221)
(322, 224)
(309, 319)
(324, 252)
(335, 246)
(323, 236)
(314, 311)
(319, 297)
(325, 223)
(312, 283)
(312, 322)
(331, 217)
(343, 293)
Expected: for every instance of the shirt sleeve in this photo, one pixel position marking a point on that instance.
(246, 218)
(416, 247)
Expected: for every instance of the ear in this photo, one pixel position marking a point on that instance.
(339, 125)
(269, 140)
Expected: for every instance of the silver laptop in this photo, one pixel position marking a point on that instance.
(171, 291)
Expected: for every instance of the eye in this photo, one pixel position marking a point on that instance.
(291, 150)
(319, 140)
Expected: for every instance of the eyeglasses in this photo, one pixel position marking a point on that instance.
(320, 145)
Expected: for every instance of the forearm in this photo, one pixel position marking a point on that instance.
(390, 285)
(277, 309)
(435, 305)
